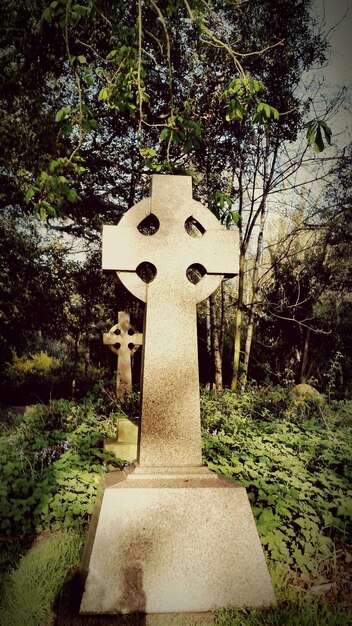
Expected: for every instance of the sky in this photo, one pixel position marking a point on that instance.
(337, 17)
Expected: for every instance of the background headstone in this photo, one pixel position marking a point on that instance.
(124, 340)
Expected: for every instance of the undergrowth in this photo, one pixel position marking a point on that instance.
(294, 458)
(51, 461)
(308, 612)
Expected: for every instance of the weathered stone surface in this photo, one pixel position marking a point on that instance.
(303, 391)
(125, 445)
(183, 545)
(127, 430)
(124, 340)
(173, 537)
(170, 418)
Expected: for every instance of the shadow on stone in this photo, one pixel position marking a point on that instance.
(69, 600)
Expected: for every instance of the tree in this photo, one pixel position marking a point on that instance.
(179, 86)
(303, 324)
(34, 286)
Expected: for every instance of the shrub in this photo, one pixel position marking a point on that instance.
(50, 467)
(40, 377)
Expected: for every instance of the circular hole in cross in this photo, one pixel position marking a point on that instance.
(131, 346)
(117, 331)
(117, 346)
(130, 331)
(193, 227)
(149, 226)
(146, 271)
(195, 273)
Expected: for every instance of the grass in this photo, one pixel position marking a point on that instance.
(295, 607)
(309, 612)
(29, 591)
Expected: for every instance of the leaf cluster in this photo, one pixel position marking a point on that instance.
(297, 473)
(50, 467)
(184, 80)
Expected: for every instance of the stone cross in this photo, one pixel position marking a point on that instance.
(124, 340)
(170, 433)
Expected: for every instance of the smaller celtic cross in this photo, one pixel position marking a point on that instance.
(124, 340)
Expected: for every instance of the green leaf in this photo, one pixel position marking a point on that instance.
(72, 195)
(30, 193)
(275, 113)
(235, 217)
(302, 522)
(319, 143)
(46, 15)
(50, 210)
(314, 134)
(42, 211)
(165, 133)
(111, 55)
(80, 9)
(310, 133)
(104, 94)
(327, 132)
(81, 59)
(62, 113)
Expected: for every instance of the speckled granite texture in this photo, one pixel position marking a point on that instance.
(170, 420)
(172, 537)
(187, 544)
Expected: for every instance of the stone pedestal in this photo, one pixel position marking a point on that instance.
(125, 445)
(175, 540)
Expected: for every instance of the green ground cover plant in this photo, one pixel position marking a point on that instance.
(307, 612)
(51, 460)
(292, 455)
(294, 458)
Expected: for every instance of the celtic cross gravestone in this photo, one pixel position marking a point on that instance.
(173, 536)
(123, 340)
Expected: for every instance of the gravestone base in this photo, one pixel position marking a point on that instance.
(180, 543)
(125, 445)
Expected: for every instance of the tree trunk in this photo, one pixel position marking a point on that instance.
(215, 344)
(223, 321)
(238, 322)
(261, 214)
(208, 327)
(75, 365)
(254, 299)
(249, 337)
(304, 367)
